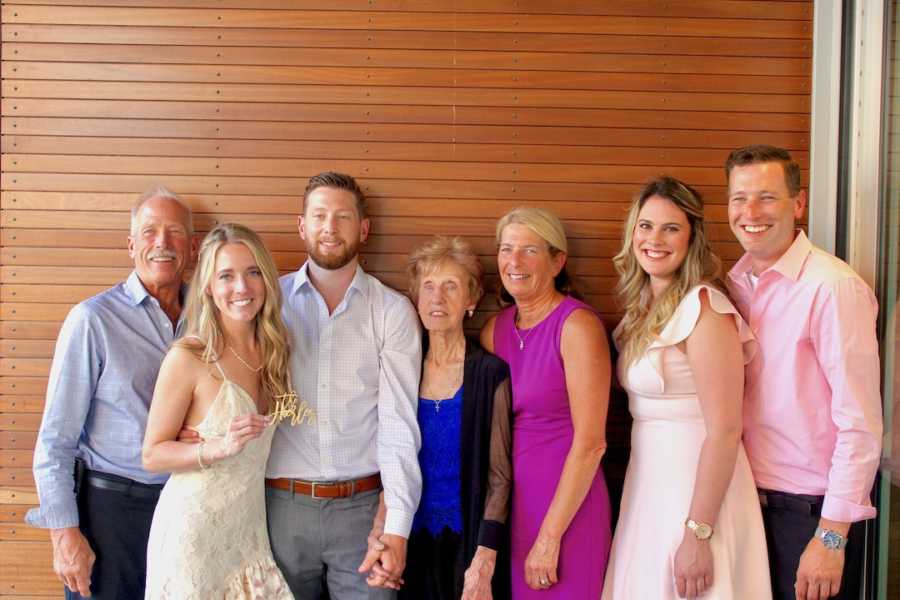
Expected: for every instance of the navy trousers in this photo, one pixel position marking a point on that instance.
(790, 521)
(116, 524)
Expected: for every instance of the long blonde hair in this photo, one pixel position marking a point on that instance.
(644, 320)
(202, 315)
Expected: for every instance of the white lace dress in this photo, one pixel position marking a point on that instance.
(209, 537)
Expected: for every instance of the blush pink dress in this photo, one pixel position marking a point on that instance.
(542, 436)
(666, 438)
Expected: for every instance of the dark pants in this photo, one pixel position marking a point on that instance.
(116, 524)
(435, 567)
(790, 521)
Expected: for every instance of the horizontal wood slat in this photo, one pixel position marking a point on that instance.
(16, 164)
(649, 8)
(27, 568)
(398, 94)
(452, 61)
(372, 20)
(417, 40)
(446, 152)
(365, 113)
(791, 131)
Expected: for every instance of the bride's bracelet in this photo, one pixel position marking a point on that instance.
(200, 455)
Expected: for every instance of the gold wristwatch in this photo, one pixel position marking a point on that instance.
(702, 530)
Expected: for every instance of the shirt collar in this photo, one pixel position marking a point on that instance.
(789, 265)
(137, 293)
(301, 280)
(135, 289)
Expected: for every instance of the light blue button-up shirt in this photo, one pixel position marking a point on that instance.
(104, 370)
(363, 389)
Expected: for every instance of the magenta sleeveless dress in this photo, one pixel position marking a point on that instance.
(542, 436)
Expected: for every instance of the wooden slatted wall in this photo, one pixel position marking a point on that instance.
(450, 112)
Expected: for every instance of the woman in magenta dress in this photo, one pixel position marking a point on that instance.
(559, 362)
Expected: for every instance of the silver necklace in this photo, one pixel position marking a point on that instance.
(244, 362)
(516, 330)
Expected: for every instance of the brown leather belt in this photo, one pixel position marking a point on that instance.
(335, 489)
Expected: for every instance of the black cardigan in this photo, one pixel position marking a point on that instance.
(483, 376)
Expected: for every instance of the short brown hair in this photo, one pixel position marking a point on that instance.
(442, 249)
(339, 181)
(763, 153)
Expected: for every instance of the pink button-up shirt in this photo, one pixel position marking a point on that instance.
(812, 406)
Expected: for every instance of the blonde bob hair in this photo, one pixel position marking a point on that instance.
(202, 315)
(549, 228)
(438, 251)
(645, 317)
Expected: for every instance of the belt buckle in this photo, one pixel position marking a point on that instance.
(313, 485)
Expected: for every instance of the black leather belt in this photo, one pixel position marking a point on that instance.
(799, 503)
(121, 485)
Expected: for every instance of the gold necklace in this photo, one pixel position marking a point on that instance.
(244, 362)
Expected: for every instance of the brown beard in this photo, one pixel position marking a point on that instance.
(332, 262)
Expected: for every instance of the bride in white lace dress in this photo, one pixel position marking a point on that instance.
(209, 537)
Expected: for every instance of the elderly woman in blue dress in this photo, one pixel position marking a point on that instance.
(464, 416)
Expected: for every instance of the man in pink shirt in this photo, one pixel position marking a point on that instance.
(812, 407)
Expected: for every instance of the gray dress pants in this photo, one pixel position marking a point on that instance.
(319, 542)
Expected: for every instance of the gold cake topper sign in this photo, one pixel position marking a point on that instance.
(289, 406)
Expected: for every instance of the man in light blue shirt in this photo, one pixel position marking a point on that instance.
(95, 497)
(355, 359)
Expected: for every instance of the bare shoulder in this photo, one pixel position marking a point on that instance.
(183, 360)
(583, 337)
(486, 337)
(583, 323)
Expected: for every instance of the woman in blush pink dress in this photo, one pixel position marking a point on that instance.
(560, 368)
(690, 524)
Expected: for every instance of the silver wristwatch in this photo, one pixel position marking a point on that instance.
(831, 539)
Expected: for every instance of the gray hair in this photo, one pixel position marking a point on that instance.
(160, 191)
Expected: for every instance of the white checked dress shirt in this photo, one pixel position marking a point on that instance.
(366, 414)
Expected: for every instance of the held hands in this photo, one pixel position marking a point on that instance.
(386, 555)
(693, 566)
(819, 573)
(73, 559)
(385, 560)
(540, 565)
(477, 582)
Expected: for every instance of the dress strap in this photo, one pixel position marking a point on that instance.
(221, 370)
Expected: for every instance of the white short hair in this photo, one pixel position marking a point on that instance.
(161, 191)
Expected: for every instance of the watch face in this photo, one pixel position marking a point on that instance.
(703, 531)
(832, 540)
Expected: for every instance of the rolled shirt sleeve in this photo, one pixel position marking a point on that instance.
(73, 378)
(398, 438)
(843, 332)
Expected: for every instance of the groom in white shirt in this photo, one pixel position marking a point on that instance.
(355, 359)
